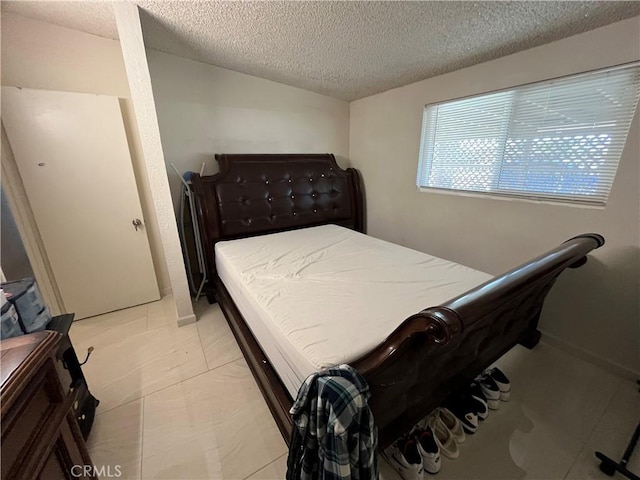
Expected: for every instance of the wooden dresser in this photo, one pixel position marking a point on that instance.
(40, 436)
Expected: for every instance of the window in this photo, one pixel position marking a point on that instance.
(558, 140)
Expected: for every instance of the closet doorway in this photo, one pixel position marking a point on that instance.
(73, 158)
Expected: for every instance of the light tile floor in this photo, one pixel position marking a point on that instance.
(180, 403)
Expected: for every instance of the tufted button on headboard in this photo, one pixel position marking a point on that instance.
(257, 194)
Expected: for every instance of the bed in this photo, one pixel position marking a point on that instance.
(303, 288)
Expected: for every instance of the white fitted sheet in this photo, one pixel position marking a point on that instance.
(326, 295)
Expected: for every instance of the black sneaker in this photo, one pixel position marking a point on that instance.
(464, 407)
(491, 391)
(504, 385)
(475, 392)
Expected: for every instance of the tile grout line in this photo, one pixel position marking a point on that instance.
(575, 461)
(149, 393)
(117, 406)
(142, 439)
(205, 355)
(265, 466)
(206, 361)
(227, 363)
(604, 410)
(615, 389)
(173, 384)
(169, 386)
(585, 444)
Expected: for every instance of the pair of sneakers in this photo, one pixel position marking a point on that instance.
(414, 454)
(484, 393)
(495, 386)
(447, 430)
(468, 407)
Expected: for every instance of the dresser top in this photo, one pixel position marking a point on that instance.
(21, 356)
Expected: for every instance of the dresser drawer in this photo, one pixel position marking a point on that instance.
(40, 436)
(29, 417)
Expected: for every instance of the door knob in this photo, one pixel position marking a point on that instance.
(137, 223)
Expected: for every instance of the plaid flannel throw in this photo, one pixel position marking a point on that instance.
(334, 435)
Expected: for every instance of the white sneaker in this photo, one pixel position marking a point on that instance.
(504, 385)
(443, 437)
(428, 448)
(465, 408)
(491, 391)
(405, 458)
(452, 423)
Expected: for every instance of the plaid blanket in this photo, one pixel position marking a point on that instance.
(334, 435)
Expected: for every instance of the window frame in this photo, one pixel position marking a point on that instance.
(530, 197)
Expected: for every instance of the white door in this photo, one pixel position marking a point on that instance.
(73, 157)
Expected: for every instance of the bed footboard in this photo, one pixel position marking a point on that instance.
(441, 349)
(427, 358)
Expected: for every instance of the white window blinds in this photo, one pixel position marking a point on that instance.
(558, 140)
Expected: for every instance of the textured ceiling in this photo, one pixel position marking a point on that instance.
(346, 50)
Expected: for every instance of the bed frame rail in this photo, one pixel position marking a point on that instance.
(433, 353)
(441, 349)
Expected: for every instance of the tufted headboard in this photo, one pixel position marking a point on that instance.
(255, 194)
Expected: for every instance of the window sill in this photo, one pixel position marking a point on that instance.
(509, 198)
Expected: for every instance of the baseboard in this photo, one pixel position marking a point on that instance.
(166, 291)
(187, 320)
(608, 365)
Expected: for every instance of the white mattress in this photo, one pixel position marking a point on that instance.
(322, 296)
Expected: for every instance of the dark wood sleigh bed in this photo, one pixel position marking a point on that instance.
(433, 353)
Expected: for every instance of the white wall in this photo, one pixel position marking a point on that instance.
(594, 309)
(45, 56)
(15, 263)
(203, 110)
(135, 60)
